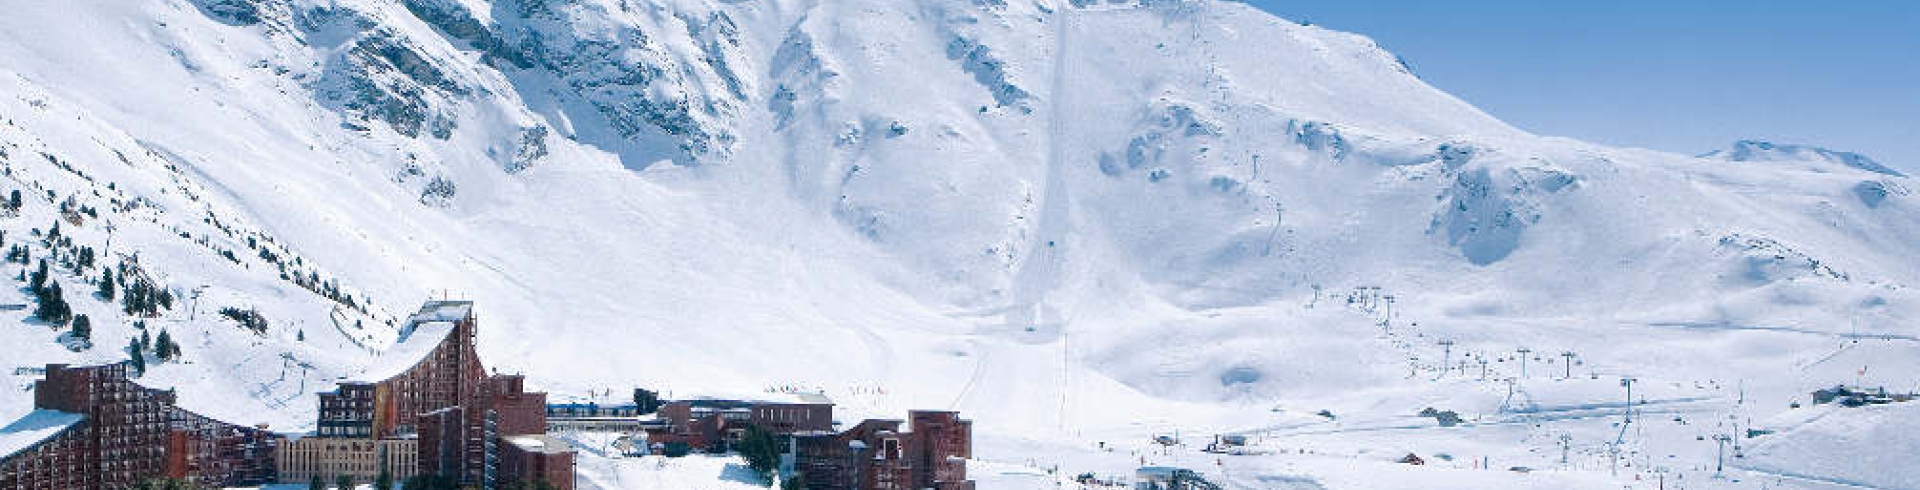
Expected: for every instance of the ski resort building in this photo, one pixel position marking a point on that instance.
(429, 408)
(878, 455)
(92, 428)
(705, 423)
(619, 417)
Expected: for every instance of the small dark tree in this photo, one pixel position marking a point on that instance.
(676, 449)
(53, 307)
(795, 482)
(164, 348)
(83, 328)
(249, 318)
(106, 286)
(762, 451)
(13, 199)
(317, 483)
(384, 481)
(138, 299)
(136, 358)
(38, 280)
(343, 482)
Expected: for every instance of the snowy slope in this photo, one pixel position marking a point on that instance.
(1077, 221)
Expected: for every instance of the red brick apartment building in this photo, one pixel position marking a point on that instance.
(429, 408)
(92, 428)
(707, 423)
(877, 455)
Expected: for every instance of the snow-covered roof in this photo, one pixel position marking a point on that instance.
(442, 311)
(539, 443)
(35, 428)
(414, 346)
(758, 398)
(1159, 471)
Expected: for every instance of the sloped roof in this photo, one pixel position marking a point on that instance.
(36, 427)
(414, 346)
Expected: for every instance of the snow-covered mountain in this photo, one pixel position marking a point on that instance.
(1077, 221)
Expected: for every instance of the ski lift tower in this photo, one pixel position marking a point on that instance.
(1446, 356)
(1387, 323)
(1628, 384)
(1569, 359)
(1720, 458)
(1566, 445)
(1524, 352)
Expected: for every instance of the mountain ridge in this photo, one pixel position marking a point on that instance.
(1029, 210)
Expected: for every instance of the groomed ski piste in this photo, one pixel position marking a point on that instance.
(1091, 227)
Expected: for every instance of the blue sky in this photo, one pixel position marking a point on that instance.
(1682, 76)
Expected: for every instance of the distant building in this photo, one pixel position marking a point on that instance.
(92, 428)
(591, 410)
(878, 455)
(710, 423)
(1156, 477)
(623, 417)
(359, 458)
(428, 408)
(1170, 478)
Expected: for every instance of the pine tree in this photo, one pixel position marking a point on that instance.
(317, 483)
(83, 328)
(135, 357)
(761, 450)
(384, 481)
(106, 286)
(146, 341)
(163, 346)
(39, 278)
(13, 199)
(53, 307)
(343, 482)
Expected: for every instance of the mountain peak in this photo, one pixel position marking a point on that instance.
(1766, 151)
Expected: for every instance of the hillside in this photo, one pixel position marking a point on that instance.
(1078, 222)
